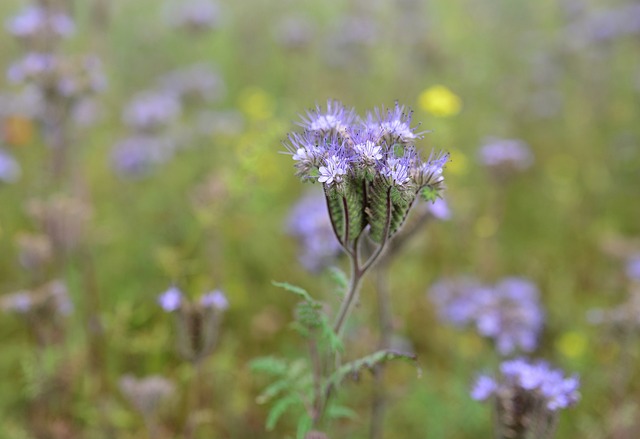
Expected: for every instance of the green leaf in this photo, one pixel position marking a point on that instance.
(271, 365)
(294, 289)
(304, 426)
(338, 411)
(339, 277)
(272, 390)
(429, 194)
(369, 362)
(279, 409)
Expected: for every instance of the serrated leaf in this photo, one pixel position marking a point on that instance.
(304, 426)
(339, 277)
(279, 408)
(330, 336)
(294, 289)
(338, 411)
(429, 193)
(270, 365)
(368, 362)
(273, 390)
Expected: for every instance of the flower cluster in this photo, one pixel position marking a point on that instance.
(369, 163)
(509, 312)
(196, 15)
(536, 379)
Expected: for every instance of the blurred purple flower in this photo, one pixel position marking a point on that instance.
(196, 15)
(453, 298)
(137, 155)
(294, 32)
(199, 81)
(336, 118)
(309, 222)
(33, 66)
(439, 209)
(34, 21)
(215, 299)
(509, 313)
(535, 379)
(170, 300)
(508, 154)
(483, 388)
(9, 168)
(633, 267)
(151, 110)
(19, 302)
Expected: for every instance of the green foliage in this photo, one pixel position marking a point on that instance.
(340, 278)
(39, 370)
(291, 390)
(429, 194)
(354, 368)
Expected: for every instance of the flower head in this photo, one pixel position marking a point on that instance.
(336, 118)
(170, 300)
(9, 168)
(334, 169)
(215, 299)
(507, 154)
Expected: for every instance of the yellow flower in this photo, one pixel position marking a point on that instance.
(256, 103)
(18, 130)
(572, 344)
(440, 101)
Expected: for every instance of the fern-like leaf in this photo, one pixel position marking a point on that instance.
(279, 408)
(354, 368)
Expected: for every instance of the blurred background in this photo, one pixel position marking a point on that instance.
(141, 148)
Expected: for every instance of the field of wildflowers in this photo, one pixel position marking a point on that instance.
(320, 220)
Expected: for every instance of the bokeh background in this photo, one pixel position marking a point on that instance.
(202, 200)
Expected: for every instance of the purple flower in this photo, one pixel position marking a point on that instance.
(33, 66)
(439, 209)
(150, 110)
(509, 313)
(196, 15)
(335, 119)
(309, 222)
(397, 171)
(335, 167)
(34, 21)
(393, 125)
(171, 299)
(483, 388)
(454, 299)
(506, 153)
(137, 155)
(199, 81)
(368, 152)
(215, 299)
(19, 302)
(9, 168)
(633, 267)
(540, 380)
